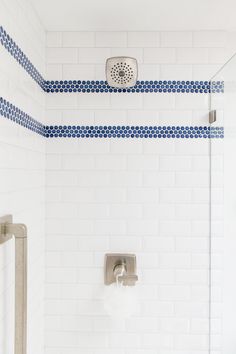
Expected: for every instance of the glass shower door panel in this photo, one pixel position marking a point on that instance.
(223, 212)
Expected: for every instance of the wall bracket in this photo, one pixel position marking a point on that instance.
(212, 116)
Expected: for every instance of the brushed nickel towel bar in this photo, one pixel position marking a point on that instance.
(19, 231)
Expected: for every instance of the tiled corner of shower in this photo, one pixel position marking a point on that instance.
(22, 173)
(144, 196)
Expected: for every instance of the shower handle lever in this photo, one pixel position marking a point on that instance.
(128, 279)
(120, 272)
(19, 231)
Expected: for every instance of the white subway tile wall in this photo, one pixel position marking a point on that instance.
(149, 197)
(153, 50)
(22, 173)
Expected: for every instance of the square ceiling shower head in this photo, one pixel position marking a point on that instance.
(121, 72)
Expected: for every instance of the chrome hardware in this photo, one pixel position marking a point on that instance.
(212, 116)
(128, 279)
(121, 72)
(120, 268)
(19, 231)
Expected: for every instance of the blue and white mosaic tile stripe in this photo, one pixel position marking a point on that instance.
(22, 59)
(216, 86)
(148, 132)
(13, 113)
(141, 87)
(16, 115)
(102, 86)
(9, 111)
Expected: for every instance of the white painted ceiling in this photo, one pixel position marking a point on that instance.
(133, 15)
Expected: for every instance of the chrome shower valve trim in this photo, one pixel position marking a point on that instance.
(120, 268)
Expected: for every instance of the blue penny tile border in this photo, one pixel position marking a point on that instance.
(148, 132)
(68, 86)
(13, 113)
(216, 87)
(22, 59)
(9, 111)
(140, 87)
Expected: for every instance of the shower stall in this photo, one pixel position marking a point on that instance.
(117, 151)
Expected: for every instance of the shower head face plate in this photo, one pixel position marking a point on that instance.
(121, 72)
